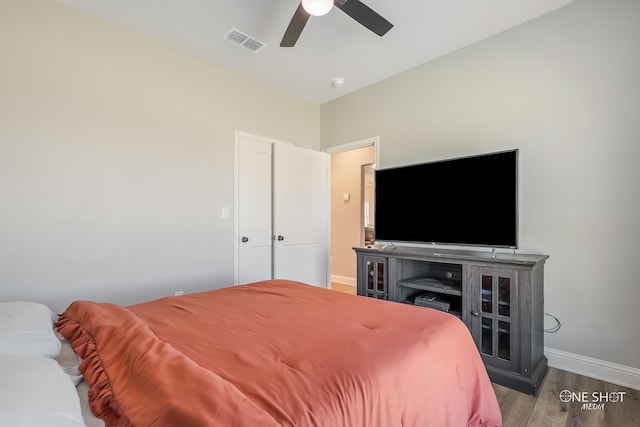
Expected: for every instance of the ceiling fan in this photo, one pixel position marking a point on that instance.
(354, 8)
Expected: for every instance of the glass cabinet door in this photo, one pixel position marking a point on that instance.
(495, 316)
(375, 277)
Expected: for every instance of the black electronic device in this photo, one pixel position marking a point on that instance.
(463, 201)
(431, 300)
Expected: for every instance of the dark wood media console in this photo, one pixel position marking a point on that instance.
(500, 299)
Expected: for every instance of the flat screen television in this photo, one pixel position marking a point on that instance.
(467, 201)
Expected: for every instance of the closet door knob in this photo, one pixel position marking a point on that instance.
(280, 237)
(474, 313)
(245, 239)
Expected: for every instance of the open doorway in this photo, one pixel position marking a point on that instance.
(352, 207)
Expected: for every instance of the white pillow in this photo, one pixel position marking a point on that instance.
(26, 328)
(34, 391)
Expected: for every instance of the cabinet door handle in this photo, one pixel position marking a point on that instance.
(475, 313)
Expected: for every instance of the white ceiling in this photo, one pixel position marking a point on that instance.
(330, 46)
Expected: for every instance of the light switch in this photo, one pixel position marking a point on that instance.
(224, 212)
(346, 197)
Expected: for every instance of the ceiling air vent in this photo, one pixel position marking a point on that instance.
(242, 39)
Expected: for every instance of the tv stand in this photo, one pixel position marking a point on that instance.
(499, 297)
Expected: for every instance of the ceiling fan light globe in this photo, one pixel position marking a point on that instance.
(317, 7)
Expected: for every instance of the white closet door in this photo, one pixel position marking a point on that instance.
(281, 211)
(253, 209)
(301, 214)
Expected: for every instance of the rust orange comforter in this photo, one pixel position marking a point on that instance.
(278, 353)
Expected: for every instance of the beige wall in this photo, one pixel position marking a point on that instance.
(346, 216)
(116, 157)
(565, 90)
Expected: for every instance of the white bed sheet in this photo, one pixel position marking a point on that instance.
(69, 358)
(36, 392)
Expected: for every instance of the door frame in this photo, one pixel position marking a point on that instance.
(362, 143)
(366, 142)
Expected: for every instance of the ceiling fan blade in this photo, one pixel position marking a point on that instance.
(298, 21)
(364, 15)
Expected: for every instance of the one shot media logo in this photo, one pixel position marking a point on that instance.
(594, 400)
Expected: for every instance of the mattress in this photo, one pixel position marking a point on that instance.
(278, 353)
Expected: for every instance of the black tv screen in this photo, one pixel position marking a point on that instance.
(463, 201)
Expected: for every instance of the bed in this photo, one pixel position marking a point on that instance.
(278, 353)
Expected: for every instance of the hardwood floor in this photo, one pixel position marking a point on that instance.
(340, 287)
(547, 409)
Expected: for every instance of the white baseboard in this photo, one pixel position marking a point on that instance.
(344, 280)
(625, 376)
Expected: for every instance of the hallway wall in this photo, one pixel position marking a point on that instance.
(346, 215)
